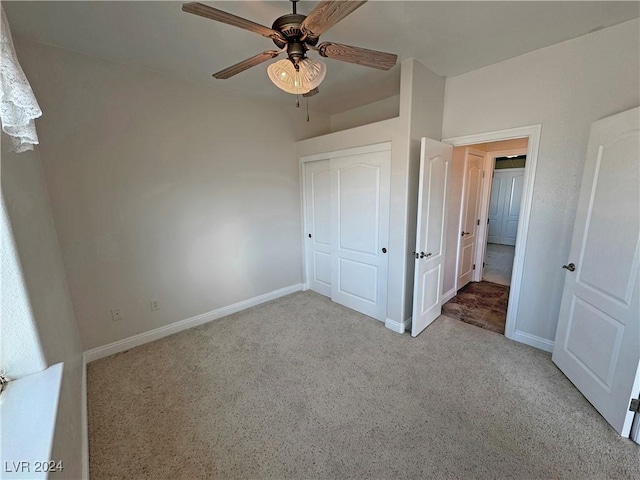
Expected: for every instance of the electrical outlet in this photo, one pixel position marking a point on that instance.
(155, 304)
(116, 314)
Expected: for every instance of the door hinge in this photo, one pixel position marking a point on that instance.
(635, 405)
(483, 174)
(478, 222)
(474, 266)
(482, 264)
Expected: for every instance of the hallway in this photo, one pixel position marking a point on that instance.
(498, 263)
(483, 304)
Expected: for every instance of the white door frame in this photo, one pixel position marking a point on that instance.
(489, 168)
(378, 147)
(532, 133)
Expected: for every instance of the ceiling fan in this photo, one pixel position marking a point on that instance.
(296, 34)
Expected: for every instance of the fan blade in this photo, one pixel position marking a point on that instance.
(326, 14)
(311, 93)
(248, 63)
(361, 56)
(224, 17)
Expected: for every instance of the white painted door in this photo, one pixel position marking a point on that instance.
(471, 190)
(511, 209)
(360, 218)
(496, 208)
(597, 343)
(435, 159)
(318, 228)
(504, 205)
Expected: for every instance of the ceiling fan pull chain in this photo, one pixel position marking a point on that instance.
(307, 109)
(297, 101)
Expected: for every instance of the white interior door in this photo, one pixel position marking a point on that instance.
(360, 218)
(471, 190)
(511, 207)
(496, 208)
(435, 159)
(318, 228)
(597, 343)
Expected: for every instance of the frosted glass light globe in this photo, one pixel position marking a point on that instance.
(284, 75)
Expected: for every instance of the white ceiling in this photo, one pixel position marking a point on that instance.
(449, 37)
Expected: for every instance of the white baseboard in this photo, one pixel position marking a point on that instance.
(161, 332)
(448, 296)
(532, 340)
(84, 420)
(398, 327)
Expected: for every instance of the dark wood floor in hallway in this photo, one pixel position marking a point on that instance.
(483, 304)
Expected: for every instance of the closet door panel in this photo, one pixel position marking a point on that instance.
(360, 220)
(318, 234)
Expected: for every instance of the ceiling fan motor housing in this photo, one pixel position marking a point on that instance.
(289, 26)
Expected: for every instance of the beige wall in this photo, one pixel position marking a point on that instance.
(20, 350)
(371, 113)
(29, 213)
(565, 88)
(164, 189)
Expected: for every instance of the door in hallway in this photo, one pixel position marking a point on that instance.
(435, 159)
(471, 190)
(597, 343)
(504, 205)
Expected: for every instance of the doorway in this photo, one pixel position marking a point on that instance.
(503, 212)
(490, 298)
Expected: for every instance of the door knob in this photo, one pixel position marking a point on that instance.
(571, 267)
(423, 255)
(465, 233)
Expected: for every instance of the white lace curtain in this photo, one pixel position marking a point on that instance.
(18, 105)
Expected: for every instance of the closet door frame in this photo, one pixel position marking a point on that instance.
(378, 147)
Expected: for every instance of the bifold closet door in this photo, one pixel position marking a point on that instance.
(318, 205)
(360, 226)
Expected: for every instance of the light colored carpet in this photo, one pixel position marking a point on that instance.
(498, 263)
(303, 388)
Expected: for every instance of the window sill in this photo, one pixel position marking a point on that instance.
(28, 409)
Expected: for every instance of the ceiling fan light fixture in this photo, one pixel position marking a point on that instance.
(309, 75)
